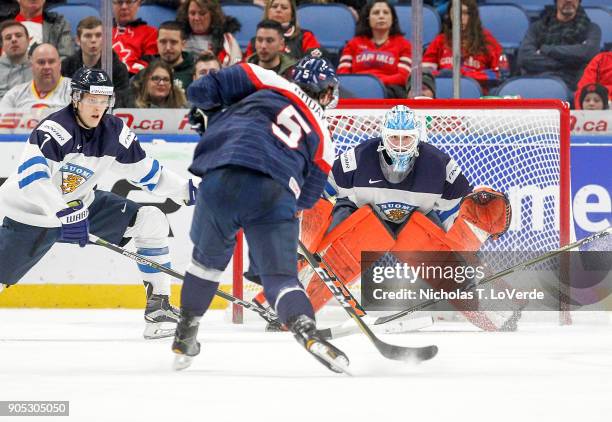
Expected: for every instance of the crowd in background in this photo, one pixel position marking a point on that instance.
(153, 66)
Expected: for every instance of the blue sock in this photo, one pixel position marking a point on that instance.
(292, 303)
(197, 294)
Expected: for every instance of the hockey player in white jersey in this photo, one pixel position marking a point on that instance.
(397, 192)
(53, 197)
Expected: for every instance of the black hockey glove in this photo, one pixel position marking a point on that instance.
(198, 120)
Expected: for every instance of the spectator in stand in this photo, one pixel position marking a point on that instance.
(270, 47)
(594, 97)
(560, 43)
(599, 70)
(208, 29)
(206, 63)
(480, 50)
(155, 89)
(48, 88)
(298, 41)
(89, 39)
(15, 68)
(379, 49)
(171, 46)
(428, 86)
(44, 26)
(132, 37)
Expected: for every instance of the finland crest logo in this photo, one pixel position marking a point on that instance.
(396, 211)
(73, 176)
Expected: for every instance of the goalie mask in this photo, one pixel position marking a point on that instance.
(401, 133)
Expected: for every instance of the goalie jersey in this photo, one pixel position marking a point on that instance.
(269, 125)
(63, 161)
(435, 184)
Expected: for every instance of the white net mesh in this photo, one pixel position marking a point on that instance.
(513, 151)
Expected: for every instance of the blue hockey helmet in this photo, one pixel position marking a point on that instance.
(92, 81)
(401, 133)
(315, 75)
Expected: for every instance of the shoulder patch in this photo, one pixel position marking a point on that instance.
(348, 160)
(126, 137)
(452, 171)
(56, 130)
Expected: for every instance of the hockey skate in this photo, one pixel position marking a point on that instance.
(159, 311)
(305, 332)
(185, 344)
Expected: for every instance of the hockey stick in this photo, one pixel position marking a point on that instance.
(345, 298)
(343, 330)
(268, 316)
(503, 273)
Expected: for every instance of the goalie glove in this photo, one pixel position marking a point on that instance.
(488, 210)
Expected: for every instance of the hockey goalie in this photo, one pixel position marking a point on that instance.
(397, 192)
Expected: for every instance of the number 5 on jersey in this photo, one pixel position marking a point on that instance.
(289, 126)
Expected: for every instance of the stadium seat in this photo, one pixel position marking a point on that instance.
(598, 3)
(249, 15)
(532, 7)
(332, 24)
(507, 23)
(155, 15)
(535, 87)
(431, 22)
(75, 13)
(361, 86)
(469, 88)
(603, 18)
(94, 3)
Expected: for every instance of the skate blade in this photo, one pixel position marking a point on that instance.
(155, 330)
(182, 362)
(339, 364)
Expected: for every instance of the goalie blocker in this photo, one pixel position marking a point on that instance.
(483, 213)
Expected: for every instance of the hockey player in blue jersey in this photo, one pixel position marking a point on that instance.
(53, 197)
(397, 192)
(262, 159)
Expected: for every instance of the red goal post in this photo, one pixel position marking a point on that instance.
(521, 147)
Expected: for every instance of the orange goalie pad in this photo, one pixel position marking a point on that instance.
(314, 223)
(422, 234)
(341, 249)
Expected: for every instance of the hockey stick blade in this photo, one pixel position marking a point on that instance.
(503, 273)
(266, 315)
(390, 351)
(402, 326)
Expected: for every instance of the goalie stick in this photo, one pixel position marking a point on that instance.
(503, 273)
(344, 297)
(268, 316)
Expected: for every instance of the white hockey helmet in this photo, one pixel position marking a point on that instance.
(401, 133)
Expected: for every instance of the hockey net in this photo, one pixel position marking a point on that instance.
(520, 147)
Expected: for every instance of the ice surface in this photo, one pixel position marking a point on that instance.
(98, 361)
